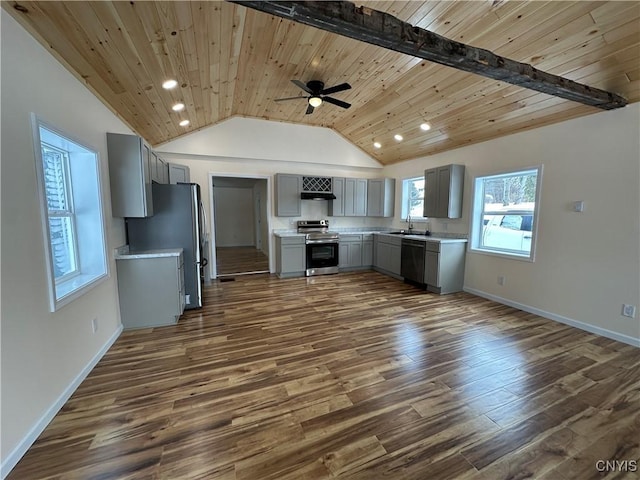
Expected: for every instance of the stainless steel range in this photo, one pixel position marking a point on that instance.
(322, 247)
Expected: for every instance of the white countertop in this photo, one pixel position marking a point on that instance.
(430, 238)
(122, 253)
(427, 238)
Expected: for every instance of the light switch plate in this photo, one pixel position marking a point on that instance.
(578, 206)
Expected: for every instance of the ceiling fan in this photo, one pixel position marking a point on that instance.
(318, 94)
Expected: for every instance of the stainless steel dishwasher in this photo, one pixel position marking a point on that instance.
(412, 260)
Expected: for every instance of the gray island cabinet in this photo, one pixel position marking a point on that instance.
(444, 267)
(443, 263)
(151, 287)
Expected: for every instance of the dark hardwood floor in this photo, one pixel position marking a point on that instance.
(353, 376)
(240, 260)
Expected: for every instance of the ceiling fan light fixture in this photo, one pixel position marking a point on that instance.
(315, 102)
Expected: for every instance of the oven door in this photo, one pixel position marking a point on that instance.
(322, 257)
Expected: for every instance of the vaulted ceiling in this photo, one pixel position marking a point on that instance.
(231, 61)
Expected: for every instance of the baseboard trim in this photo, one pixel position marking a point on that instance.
(18, 452)
(558, 318)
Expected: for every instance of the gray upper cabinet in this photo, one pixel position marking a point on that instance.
(336, 207)
(355, 197)
(443, 191)
(288, 201)
(179, 173)
(381, 194)
(130, 174)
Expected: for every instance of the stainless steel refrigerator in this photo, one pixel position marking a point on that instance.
(177, 222)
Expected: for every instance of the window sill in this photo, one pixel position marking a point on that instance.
(508, 255)
(75, 287)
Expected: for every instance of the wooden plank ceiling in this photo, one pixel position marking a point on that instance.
(232, 61)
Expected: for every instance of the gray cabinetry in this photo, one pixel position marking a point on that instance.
(288, 201)
(387, 254)
(367, 250)
(336, 207)
(355, 197)
(443, 191)
(350, 255)
(130, 174)
(381, 197)
(444, 267)
(290, 256)
(178, 173)
(151, 290)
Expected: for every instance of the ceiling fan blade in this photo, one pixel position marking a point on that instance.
(337, 88)
(337, 102)
(310, 109)
(302, 86)
(287, 98)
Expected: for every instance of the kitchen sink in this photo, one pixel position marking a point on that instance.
(401, 232)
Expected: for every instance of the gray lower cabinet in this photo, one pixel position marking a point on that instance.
(387, 254)
(131, 169)
(444, 267)
(350, 254)
(381, 193)
(290, 256)
(151, 290)
(367, 250)
(179, 173)
(288, 201)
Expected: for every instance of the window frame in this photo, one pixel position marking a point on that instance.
(66, 213)
(478, 212)
(404, 201)
(71, 286)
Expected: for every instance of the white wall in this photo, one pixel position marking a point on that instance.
(587, 264)
(269, 140)
(43, 353)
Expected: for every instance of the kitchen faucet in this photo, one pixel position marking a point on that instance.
(409, 222)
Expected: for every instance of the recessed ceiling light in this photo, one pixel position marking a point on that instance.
(376, 145)
(425, 127)
(178, 107)
(169, 84)
(184, 123)
(398, 137)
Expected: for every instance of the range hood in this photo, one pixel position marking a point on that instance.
(317, 196)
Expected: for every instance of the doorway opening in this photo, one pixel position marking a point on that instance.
(240, 225)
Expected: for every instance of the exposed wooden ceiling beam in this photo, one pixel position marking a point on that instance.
(385, 30)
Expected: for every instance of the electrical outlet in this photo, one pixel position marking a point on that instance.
(629, 310)
(94, 325)
(501, 279)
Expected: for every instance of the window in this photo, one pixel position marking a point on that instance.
(71, 201)
(505, 214)
(413, 198)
